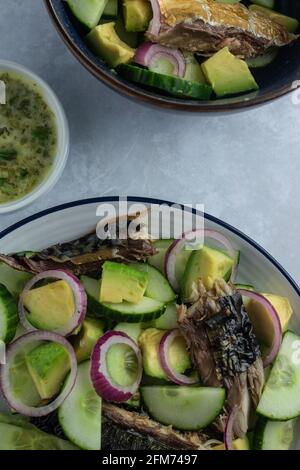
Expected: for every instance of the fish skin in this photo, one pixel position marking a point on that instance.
(245, 380)
(151, 434)
(83, 256)
(205, 27)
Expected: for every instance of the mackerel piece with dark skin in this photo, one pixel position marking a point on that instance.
(206, 26)
(86, 255)
(224, 349)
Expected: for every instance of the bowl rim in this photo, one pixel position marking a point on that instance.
(63, 138)
(146, 200)
(123, 89)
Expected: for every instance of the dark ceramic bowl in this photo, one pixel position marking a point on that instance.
(275, 80)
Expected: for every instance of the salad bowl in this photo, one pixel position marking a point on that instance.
(275, 80)
(74, 220)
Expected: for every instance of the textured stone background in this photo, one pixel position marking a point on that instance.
(245, 168)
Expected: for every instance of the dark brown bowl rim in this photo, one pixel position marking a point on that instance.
(123, 89)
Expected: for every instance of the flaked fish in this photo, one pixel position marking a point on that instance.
(224, 349)
(206, 26)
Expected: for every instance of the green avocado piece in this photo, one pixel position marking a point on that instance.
(86, 339)
(228, 74)
(137, 15)
(122, 282)
(207, 265)
(291, 24)
(50, 307)
(149, 342)
(106, 43)
(48, 365)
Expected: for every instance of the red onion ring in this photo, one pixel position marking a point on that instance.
(228, 433)
(11, 352)
(154, 27)
(178, 245)
(102, 382)
(79, 296)
(179, 379)
(276, 324)
(148, 52)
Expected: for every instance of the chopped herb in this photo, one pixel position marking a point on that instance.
(8, 155)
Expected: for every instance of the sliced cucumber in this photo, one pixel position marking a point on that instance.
(158, 260)
(281, 396)
(158, 287)
(88, 12)
(133, 330)
(172, 85)
(9, 317)
(168, 321)
(13, 280)
(146, 310)
(20, 438)
(265, 3)
(273, 435)
(16, 420)
(80, 414)
(262, 60)
(122, 365)
(185, 408)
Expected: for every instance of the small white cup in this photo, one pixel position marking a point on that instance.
(63, 138)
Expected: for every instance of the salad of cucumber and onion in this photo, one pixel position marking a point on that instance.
(153, 338)
(185, 48)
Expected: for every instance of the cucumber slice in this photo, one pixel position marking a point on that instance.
(174, 86)
(16, 420)
(80, 414)
(88, 12)
(281, 396)
(158, 260)
(122, 365)
(273, 435)
(13, 280)
(20, 438)
(158, 287)
(133, 330)
(262, 60)
(146, 310)
(185, 408)
(168, 321)
(9, 317)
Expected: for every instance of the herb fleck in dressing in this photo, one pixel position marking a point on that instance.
(28, 138)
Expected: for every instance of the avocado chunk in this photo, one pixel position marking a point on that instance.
(50, 307)
(86, 339)
(105, 42)
(122, 282)
(137, 15)
(207, 265)
(227, 74)
(48, 365)
(261, 320)
(237, 444)
(291, 24)
(149, 342)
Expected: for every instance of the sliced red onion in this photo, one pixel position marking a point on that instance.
(228, 433)
(11, 352)
(80, 298)
(154, 27)
(101, 379)
(179, 245)
(147, 53)
(164, 347)
(267, 360)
